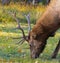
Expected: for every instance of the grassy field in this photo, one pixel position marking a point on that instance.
(10, 51)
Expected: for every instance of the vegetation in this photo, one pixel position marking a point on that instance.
(12, 52)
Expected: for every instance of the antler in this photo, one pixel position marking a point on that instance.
(19, 26)
(28, 20)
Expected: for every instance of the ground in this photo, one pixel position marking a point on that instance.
(12, 52)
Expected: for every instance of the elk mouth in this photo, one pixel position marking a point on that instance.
(35, 56)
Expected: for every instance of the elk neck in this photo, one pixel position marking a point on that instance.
(47, 24)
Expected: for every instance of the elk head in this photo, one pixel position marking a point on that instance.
(36, 41)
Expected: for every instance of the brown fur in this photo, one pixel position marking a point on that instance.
(45, 27)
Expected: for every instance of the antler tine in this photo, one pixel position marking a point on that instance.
(28, 20)
(14, 16)
(21, 41)
(19, 26)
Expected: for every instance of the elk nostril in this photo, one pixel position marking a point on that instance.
(36, 56)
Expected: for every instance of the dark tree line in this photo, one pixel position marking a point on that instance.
(6, 2)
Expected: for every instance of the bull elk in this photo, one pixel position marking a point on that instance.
(44, 28)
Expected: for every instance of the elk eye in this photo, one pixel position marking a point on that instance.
(30, 45)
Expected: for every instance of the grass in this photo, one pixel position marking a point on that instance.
(12, 52)
(16, 53)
